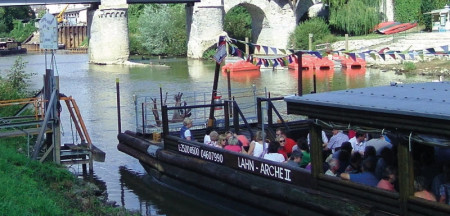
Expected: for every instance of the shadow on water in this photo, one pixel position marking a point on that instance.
(157, 198)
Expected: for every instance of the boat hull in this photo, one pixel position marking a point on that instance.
(276, 197)
(13, 52)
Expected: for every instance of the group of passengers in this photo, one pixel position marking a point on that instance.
(350, 156)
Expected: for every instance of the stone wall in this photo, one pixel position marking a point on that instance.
(108, 42)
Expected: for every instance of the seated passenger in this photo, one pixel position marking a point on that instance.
(336, 140)
(355, 164)
(207, 139)
(304, 148)
(343, 155)
(281, 132)
(185, 133)
(244, 142)
(257, 146)
(272, 152)
(295, 159)
(213, 138)
(387, 159)
(358, 142)
(222, 141)
(444, 188)
(379, 143)
(333, 165)
(421, 191)
(366, 177)
(388, 178)
(324, 139)
(282, 150)
(233, 145)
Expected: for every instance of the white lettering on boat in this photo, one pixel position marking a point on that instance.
(275, 171)
(245, 163)
(211, 156)
(192, 150)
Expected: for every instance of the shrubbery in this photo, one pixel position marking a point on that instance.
(355, 18)
(317, 26)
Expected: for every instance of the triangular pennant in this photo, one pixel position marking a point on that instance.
(258, 47)
(222, 40)
(392, 55)
(362, 55)
(283, 51)
(402, 56)
(259, 62)
(411, 55)
(274, 50)
(291, 50)
(239, 53)
(373, 56)
(266, 49)
(382, 55)
(431, 50)
(383, 50)
(270, 62)
(266, 63)
(421, 55)
(275, 63)
(352, 55)
(445, 48)
(250, 45)
(315, 53)
(290, 59)
(285, 61)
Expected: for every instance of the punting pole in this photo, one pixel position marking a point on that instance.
(213, 95)
(119, 121)
(299, 71)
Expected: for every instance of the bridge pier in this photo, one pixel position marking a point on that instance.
(108, 28)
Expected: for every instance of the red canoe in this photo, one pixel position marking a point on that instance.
(400, 28)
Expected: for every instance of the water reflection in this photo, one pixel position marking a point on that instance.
(244, 77)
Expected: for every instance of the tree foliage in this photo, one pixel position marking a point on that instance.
(22, 31)
(134, 12)
(9, 14)
(14, 85)
(238, 23)
(408, 10)
(163, 29)
(317, 26)
(356, 17)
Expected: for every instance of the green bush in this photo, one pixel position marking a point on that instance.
(408, 10)
(300, 38)
(238, 23)
(355, 18)
(409, 66)
(22, 31)
(209, 53)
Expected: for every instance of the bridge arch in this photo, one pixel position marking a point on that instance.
(272, 22)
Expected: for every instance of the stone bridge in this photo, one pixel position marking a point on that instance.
(272, 21)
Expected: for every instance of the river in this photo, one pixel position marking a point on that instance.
(93, 88)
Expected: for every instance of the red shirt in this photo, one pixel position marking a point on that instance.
(282, 151)
(289, 144)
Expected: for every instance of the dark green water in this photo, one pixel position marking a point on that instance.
(94, 89)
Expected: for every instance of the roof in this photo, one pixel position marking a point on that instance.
(439, 11)
(423, 107)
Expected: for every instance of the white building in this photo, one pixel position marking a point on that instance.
(74, 14)
(440, 19)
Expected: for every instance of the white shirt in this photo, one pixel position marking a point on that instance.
(277, 157)
(258, 150)
(324, 138)
(207, 139)
(358, 147)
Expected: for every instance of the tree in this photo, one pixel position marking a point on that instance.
(238, 23)
(163, 29)
(9, 14)
(356, 17)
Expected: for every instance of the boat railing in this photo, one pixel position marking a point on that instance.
(148, 108)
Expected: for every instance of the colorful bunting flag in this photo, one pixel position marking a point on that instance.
(382, 55)
(283, 51)
(315, 53)
(266, 49)
(274, 50)
(362, 55)
(431, 50)
(373, 56)
(402, 56)
(445, 48)
(257, 47)
(392, 55)
(352, 55)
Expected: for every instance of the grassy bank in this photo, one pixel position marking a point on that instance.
(28, 187)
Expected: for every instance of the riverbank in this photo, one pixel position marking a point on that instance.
(432, 67)
(29, 187)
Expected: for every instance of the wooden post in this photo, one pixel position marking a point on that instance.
(310, 37)
(57, 126)
(119, 122)
(213, 95)
(299, 73)
(405, 175)
(316, 150)
(247, 48)
(346, 42)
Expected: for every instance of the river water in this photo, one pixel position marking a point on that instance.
(94, 89)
